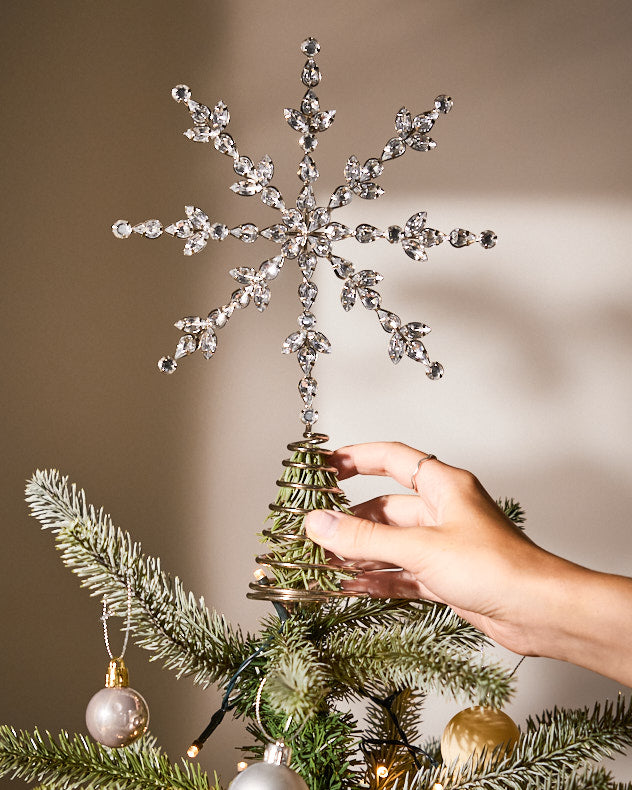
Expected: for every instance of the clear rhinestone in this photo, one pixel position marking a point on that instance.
(347, 296)
(220, 115)
(275, 233)
(320, 342)
(240, 298)
(414, 249)
(153, 229)
(225, 144)
(307, 293)
(366, 233)
(388, 320)
(322, 247)
(140, 228)
(319, 218)
(443, 103)
(310, 104)
(180, 93)
(423, 123)
(307, 170)
(341, 197)
(261, 298)
(394, 234)
(270, 269)
(293, 342)
(487, 239)
(311, 74)
(309, 416)
(336, 231)
(291, 247)
(307, 262)
(307, 388)
(420, 142)
(227, 310)
(415, 224)
(431, 237)
(435, 372)
(246, 188)
(244, 166)
(307, 320)
(198, 217)
(369, 191)
(396, 347)
(218, 231)
(461, 238)
(296, 120)
(265, 169)
(199, 113)
(394, 147)
(413, 330)
(403, 121)
(243, 275)
(308, 142)
(293, 218)
(186, 345)
(195, 243)
(182, 229)
(218, 318)
(191, 324)
(310, 47)
(373, 168)
(370, 299)
(208, 343)
(352, 169)
(306, 359)
(342, 268)
(306, 200)
(417, 351)
(323, 120)
(122, 229)
(367, 278)
(199, 134)
(247, 233)
(167, 365)
(272, 197)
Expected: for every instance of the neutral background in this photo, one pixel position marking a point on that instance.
(535, 335)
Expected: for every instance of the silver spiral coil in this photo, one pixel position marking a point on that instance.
(265, 588)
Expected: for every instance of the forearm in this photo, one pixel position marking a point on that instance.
(585, 617)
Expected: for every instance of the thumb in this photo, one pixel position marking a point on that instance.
(360, 539)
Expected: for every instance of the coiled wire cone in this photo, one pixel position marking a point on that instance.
(319, 579)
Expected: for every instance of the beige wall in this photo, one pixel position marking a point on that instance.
(536, 335)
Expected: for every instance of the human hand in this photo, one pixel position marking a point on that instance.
(452, 544)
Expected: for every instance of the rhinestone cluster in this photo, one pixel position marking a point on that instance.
(305, 231)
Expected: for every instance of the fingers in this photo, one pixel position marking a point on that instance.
(386, 459)
(360, 539)
(390, 584)
(402, 510)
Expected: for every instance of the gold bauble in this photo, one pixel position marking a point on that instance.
(474, 729)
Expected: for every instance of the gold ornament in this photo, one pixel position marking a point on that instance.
(475, 729)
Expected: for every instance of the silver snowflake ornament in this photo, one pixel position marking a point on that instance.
(305, 232)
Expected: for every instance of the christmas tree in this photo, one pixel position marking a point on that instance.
(322, 648)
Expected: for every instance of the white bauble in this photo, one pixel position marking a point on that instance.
(271, 774)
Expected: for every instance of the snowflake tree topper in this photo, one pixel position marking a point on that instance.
(306, 232)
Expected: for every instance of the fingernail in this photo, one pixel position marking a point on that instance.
(322, 523)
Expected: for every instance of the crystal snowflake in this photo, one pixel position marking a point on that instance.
(306, 232)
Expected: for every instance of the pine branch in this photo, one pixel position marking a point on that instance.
(425, 655)
(513, 510)
(551, 754)
(167, 621)
(74, 761)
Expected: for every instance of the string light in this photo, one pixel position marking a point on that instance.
(193, 750)
(242, 765)
(381, 772)
(437, 786)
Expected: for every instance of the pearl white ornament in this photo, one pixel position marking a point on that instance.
(117, 715)
(475, 729)
(271, 774)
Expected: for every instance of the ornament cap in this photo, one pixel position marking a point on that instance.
(117, 676)
(278, 753)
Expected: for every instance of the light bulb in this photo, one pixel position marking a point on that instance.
(381, 771)
(242, 765)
